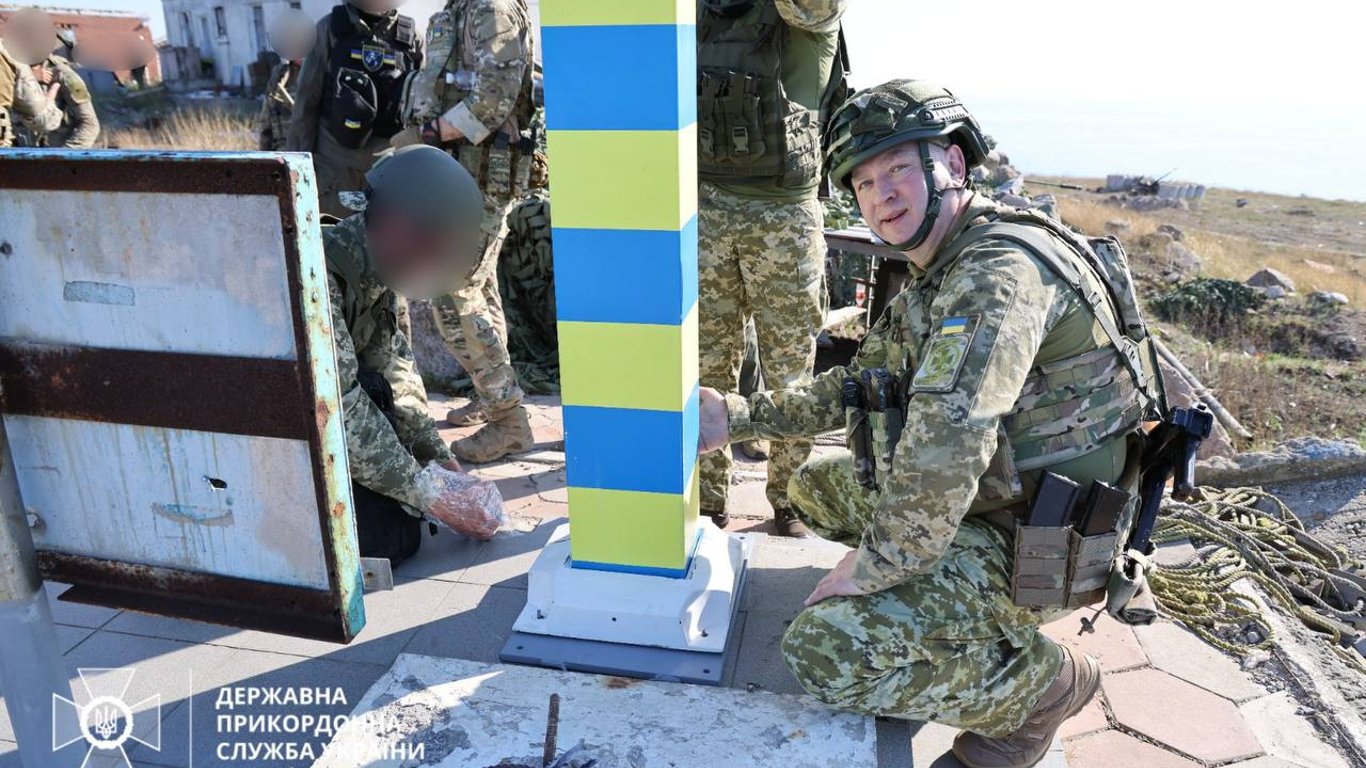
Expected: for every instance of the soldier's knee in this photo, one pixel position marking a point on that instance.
(800, 488)
(823, 659)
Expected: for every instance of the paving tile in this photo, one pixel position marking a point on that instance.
(1265, 761)
(1179, 715)
(1180, 652)
(1112, 749)
(782, 572)
(893, 743)
(505, 560)
(759, 660)
(76, 614)
(70, 637)
(931, 744)
(150, 625)
(1286, 734)
(1112, 643)
(1089, 720)
(443, 556)
(198, 728)
(472, 622)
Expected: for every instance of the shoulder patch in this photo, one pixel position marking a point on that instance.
(945, 354)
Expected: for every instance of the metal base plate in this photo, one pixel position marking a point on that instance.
(599, 658)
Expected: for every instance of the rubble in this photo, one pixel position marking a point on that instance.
(1267, 277)
(1331, 298)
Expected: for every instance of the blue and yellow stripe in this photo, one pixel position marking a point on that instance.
(621, 125)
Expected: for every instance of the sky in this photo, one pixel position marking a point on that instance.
(1215, 89)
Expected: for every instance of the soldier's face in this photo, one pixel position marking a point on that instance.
(414, 261)
(891, 192)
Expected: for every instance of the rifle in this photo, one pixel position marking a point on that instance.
(1170, 453)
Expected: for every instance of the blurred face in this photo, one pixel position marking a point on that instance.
(416, 262)
(891, 192)
(30, 35)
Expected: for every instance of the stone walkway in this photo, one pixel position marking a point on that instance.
(1168, 699)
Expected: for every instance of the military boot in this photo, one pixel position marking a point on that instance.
(504, 434)
(756, 450)
(467, 415)
(1074, 686)
(786, 523)
(721, 519)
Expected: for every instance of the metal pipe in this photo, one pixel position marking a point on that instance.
(31, 668)
(1230, 422)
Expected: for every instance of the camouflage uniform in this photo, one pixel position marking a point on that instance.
(384, 453)
(272, 123)
(761, 254)
(478, 77)
(938, 636)
(80, 126)
(22, 97)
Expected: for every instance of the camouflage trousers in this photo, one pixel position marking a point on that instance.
(946, 645)
(471, 321)
(760, 259)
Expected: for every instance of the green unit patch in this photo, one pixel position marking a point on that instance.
(945, 354)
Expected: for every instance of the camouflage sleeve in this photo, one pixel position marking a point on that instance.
(813, 15)
(420, 102)
(416, 428)
(31, 102)
(986, 326)
(375, 454)
(85, 124)
(497, 34)
(303, 120)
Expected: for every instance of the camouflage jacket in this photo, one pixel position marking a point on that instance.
(272, 122)
(970, 332)
(384, 455)
(478, 69)
(23, 97)
(80, 125)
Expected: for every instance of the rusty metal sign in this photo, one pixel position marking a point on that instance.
(169, 389)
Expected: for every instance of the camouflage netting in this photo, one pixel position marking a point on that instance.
(526, 280)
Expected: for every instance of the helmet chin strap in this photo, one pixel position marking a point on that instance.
(933, 203)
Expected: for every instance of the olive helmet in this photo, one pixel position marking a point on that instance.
(431, 189)
(896, 112)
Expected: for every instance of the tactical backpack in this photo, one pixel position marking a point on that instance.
(363, 95)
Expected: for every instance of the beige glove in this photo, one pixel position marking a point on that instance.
(461, 502)
(406, 137)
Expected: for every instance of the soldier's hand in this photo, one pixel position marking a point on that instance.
(461, 502)
(839, 582)
(406, 137)
(43, 74)
(714, 433)
(449, 132)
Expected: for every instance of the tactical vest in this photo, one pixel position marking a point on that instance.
(458, 80)
(1069, 407)
(361, 99)
(748, 130)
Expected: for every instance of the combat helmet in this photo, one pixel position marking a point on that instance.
(896, 112)
(431, 189)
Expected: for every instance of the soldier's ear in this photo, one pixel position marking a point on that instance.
(957, 163)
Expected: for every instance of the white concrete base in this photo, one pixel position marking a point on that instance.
(463, 714)
(692, 613)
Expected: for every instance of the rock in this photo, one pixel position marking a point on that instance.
(1274, 292)
(1267, 277)
(1329, 298)
(1171, 229)
(1117, 226)
(434, 361)
(1241, 202)
(1182, 260)
(1012, 200)
(1300, 459)
(1327, 269)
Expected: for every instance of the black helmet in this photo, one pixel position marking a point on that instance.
(896, 112)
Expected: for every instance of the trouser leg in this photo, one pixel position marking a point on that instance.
(946, 645)
(720, 324)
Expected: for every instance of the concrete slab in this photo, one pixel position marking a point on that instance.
(1111, 749)
(1266, 761)
(758, 663)
(443, 556)
(469, 714)
(931, 744)
(1284, 733)
(1179, 716)
(1179, 652)
(472, 622)
(1112, 643)
(893, 743)
(1090, 719)
(782, 572)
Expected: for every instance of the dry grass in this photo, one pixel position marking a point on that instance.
(193, 128)
(1232, 257)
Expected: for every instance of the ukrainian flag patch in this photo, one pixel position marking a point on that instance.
(942, 359)
(953, 325)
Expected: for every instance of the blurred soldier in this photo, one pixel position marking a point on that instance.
(1002, 359)
(291, 35)
(766, 72)
(474, 99)
(28, 41)
(80, 126)
(418, 235)
(346, 106)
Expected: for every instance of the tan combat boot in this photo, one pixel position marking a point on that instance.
(1074, 686)
(755, 450)
(467, 415)
(505, 434)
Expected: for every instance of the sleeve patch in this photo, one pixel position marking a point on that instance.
(945, 354)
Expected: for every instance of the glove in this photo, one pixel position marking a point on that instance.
(460, 502)
(427, 133)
